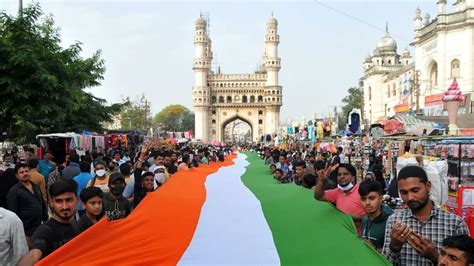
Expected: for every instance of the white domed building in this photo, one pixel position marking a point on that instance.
(444, 50)
(385, 81)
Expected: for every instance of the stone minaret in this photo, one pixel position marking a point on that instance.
(201, 90)
(272, 65)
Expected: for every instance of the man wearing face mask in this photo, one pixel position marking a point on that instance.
(346, 196)
(115, 205)
(100, 180)
(160, 177)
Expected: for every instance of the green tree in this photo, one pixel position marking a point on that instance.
(174, 117)
(42, 84)
(351, 101)
(135, 114)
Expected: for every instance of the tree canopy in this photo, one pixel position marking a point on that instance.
(135, 114)
(174, 117)
(42, 84)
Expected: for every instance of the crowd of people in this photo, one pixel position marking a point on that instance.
(419, 234)
(44, 205)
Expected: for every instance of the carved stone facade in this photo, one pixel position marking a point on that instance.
(444, 50)
(219, 99)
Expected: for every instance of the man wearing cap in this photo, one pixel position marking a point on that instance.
(414, 236)
(116, 206)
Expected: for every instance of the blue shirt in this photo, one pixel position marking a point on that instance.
(45, 168)
(81, 181)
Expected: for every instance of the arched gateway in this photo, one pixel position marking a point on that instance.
(220, 99)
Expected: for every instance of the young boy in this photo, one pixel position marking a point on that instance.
(91, 202)
(116, 206)
(373, 224)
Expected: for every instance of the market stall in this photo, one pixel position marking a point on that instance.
(61, 144)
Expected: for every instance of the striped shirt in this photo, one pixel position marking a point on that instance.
(437, 227)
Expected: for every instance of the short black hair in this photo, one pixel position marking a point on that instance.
(147, 174)
(309, 180)
(90, 192)
(300, 163)
(413, 171)
(20, 165)
(463, 243)
(62, 186)
(319, 165)
(279, 170)
(125, 169)
(74, 158)
(368, 186)
(99, 162)
(33, 163)
(349, 168)
(85, 167)
(158, 154)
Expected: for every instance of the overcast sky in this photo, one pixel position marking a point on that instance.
(148, 45)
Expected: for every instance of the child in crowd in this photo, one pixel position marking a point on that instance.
(91, 201)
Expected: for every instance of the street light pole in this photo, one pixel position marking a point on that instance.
(20, 8)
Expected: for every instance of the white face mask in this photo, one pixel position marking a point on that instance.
(346, 187)
(160, 178)
(100, 172)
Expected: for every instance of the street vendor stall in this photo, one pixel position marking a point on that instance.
(61, 144)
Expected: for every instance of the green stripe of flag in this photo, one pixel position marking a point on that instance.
(305, 231)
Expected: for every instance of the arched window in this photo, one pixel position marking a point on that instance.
(213, 99)
(370, 93)
(229, 99)
(236, 98)
(455, 70)
(434, 75)
(260, 99)
(213, 121)
(252, 99)
(394, 90)
(388, 91)
(221, 99)
(244, 99)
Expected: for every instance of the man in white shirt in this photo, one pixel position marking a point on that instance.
(12, 238)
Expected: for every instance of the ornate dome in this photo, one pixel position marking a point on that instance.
(368, 59)
(272, 20)
(406, 53)
(387, 43)
(200, 22)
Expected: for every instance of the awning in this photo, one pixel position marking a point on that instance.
(56, 135)
(414, 125)
(409, 121)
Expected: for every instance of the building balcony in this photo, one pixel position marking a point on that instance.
(237, 77)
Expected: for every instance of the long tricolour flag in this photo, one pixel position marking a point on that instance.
(229, 213)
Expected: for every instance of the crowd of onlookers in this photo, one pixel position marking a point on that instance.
(44, 205)
(418, 234)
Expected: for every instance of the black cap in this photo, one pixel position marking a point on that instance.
(115, 176)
